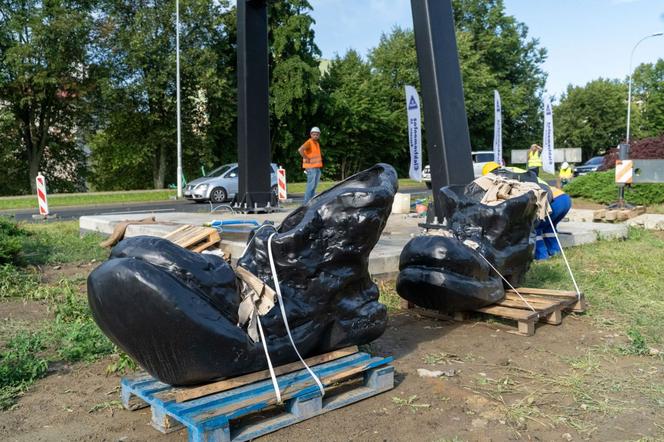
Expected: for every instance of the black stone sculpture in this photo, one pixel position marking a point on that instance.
(176, 312)
(449, 270)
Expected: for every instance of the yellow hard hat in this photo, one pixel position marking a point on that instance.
(489, 167)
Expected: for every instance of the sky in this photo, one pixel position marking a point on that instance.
(585, 39)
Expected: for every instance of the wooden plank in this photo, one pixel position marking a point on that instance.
(193, 238)
(527, 328)
(509, 313)
(542, 307)
(268, 398)
(176, 231)
(213, 239)
(535, 301)
(185, 394)
(546, 292)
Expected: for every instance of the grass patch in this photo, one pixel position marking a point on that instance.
(60, 243)
(87, 199)
(621, 280)
(11, 236)
(389, 296)
(72, 337)
(138, 196)
(16, 283)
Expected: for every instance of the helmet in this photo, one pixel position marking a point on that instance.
(314, 129)
(489, 167)
(565, 165)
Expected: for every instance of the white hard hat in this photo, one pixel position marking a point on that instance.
(565, 165)
(314, 129)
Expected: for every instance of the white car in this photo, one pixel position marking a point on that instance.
(221, 184)
(480, 158)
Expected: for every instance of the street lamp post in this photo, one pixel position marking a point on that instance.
(177, 95)
(629, 88)
(623, 149)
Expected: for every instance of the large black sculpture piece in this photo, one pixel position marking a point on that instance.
(176, 312)
(449, 270)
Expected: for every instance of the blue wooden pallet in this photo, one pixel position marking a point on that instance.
(214, 418)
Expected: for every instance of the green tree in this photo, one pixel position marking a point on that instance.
(591, 117)
(294, 79)
(648, 99)
(359, 121)
(496, 53)
(137, 95)
(44, 79)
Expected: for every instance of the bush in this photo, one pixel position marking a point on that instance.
(645, 149)
(600, 187)
(11, 241)
(15, 283)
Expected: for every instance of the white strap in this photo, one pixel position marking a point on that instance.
(273, 375)
(508, 283)
(569, 269)
(283, 315)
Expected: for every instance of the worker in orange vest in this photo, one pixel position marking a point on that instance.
(312, 162)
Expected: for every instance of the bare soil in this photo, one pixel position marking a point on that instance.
(564, 383)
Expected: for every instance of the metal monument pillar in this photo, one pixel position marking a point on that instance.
(448, 140)
(253, 134)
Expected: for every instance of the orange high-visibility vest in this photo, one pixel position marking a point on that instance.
(312, 157)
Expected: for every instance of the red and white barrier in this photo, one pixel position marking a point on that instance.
(281, 184)
(41, 194)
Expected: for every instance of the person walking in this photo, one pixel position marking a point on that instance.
(312, 162)
(535, 158)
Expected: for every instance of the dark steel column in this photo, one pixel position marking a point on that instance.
(448, 141)
(253, 134)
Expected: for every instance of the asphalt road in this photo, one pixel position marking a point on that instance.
(75, 212)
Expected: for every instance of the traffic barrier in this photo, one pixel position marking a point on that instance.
(41, 194)
(281, 184)
(624, 171)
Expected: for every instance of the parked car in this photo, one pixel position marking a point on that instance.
(221, 184)
(589, 166)
(480, 158)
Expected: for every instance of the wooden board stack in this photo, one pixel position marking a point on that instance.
(617, 215)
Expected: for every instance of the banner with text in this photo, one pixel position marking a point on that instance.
(497, 130)
(547, 144)
(414, 133)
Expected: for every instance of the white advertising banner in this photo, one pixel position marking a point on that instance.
(497, 130)
(547, 144)
(414, 133)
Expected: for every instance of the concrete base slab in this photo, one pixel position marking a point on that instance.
(384, 258)
(650, 221)
(577, 233)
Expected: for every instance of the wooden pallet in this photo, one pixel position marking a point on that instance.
(194, 238)
(548, 304)
(617, 215)
(231, 415)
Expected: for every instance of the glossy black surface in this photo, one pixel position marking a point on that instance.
(175, 311)
(443, 273)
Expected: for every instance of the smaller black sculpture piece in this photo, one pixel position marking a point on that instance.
(450, 270)
(176, 312)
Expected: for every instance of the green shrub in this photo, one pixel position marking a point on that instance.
(601, 188)
(75, 333)
(17, 283)
(11, 241)
(59, 243)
